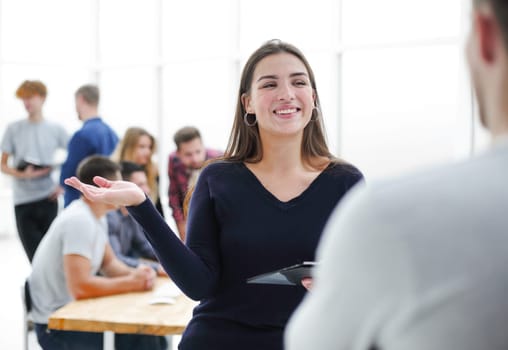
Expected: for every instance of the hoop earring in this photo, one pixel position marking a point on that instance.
(246, 119)
(315, 114)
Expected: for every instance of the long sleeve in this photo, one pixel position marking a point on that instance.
(195, 267)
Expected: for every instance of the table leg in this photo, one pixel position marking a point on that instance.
(109, 340)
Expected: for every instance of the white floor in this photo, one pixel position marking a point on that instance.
(13, 271)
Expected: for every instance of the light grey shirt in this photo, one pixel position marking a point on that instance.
(38, 142)
(416, 263)
(74, 231)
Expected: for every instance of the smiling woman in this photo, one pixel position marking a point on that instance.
(282, 103)
(270, 195)
(394, 94)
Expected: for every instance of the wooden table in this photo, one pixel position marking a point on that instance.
(124, 313)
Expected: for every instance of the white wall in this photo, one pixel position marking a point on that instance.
(390, 74)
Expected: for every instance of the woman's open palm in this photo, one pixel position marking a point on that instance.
(111, 192)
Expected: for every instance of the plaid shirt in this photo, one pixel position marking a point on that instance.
(179, 177)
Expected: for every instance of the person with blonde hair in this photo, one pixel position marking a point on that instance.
(259, 208)
(138, 146)
(28, 150)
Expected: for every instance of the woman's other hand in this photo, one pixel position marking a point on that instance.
(307, 283)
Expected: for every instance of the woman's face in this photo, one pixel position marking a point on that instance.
(281, 95)
(143, 150)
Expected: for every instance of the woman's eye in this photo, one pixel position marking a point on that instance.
(300, 83)
(268, 85)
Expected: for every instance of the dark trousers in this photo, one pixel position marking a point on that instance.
(33, 220)
(50, 339)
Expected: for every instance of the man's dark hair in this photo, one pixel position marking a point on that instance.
(186, 134)
(128, 168)
(97, 165)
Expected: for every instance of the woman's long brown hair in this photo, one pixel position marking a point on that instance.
(244, 143)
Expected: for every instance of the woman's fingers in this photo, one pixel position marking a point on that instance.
(73, 182)
(307, 283)
(102, 182)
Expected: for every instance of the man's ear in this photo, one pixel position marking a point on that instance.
(489, 36)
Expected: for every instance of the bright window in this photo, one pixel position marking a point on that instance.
(391, 75)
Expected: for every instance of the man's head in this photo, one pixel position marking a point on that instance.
(33, 94)
(102, 166)
(189, 147)
(87, 101)
(136, 174)
(488, 61)
(97, 165)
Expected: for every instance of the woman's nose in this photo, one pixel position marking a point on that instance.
(286, 92)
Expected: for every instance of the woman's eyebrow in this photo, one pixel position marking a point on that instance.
(267, 77)
(296, 74)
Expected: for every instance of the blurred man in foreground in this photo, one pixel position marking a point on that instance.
(420, 262)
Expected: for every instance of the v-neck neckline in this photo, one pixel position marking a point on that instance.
(274, 199)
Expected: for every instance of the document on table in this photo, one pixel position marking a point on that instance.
(165, 294)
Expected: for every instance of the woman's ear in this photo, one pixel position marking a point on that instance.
(246, 103)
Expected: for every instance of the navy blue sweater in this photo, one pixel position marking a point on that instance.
(238, 229)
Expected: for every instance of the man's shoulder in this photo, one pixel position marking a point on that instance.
(90, 128)
(95, 123)
(78, 212)
(464, 175)
(437, 191)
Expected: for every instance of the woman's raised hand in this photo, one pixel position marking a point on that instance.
(111, 192)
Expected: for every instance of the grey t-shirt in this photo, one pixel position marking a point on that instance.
(36, 142)
(75, 231)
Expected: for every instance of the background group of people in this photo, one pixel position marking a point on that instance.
(413, 263)
(28, 149)
(29, 146)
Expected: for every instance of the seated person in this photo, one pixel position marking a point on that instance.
(184, 166)
(66, 263)
(125, 234)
